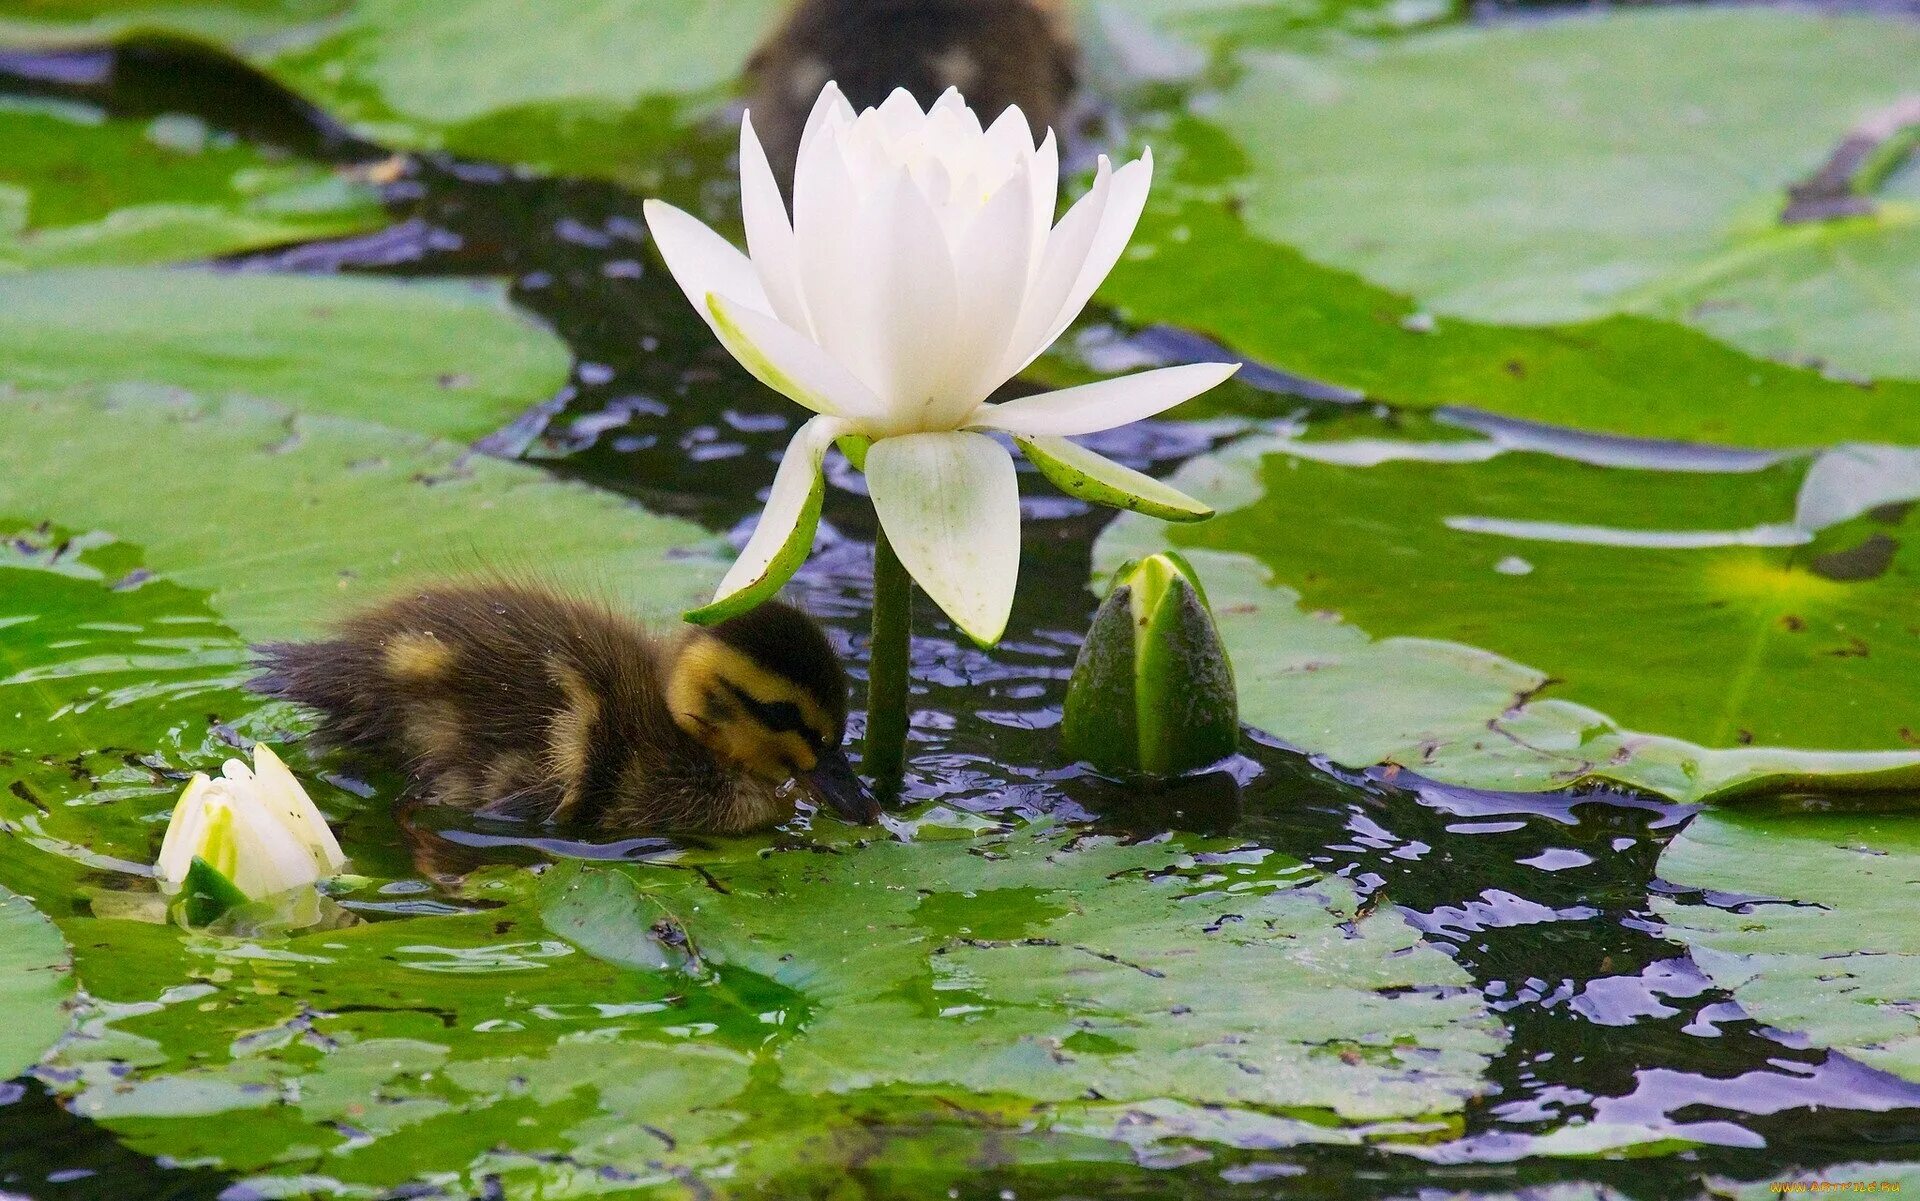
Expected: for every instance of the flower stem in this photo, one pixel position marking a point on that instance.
(885, 755)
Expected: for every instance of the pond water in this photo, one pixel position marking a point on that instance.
(1546, 901)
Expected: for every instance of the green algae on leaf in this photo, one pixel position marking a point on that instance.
(451, 359)
(1808, 922)
(1525, 622)
(78, 187)
(36, 985)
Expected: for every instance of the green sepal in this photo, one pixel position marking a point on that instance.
(1098, 724)
(1188, 713)
(1152, 691)
(855, 447)
(793, 552)
(1085, 475)
(207, 895)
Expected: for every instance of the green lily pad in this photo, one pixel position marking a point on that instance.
(1009, 976)
(1307, 186)
(78, 187)
(70, 22)
(285, 517)
(1808, 922)
(592, 87)
(36, 985)
(449, 359)
(188, 529)
(1527, 622)
(1652, 182)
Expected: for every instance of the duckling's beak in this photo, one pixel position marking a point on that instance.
(832, 782)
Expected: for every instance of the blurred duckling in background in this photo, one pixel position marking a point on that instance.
(997, 52)
(516, 701)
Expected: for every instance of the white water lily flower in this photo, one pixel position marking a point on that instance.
(920, 270)
(257, 827)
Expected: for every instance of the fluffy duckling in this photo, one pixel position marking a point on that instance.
(997, 52)
(516, 701)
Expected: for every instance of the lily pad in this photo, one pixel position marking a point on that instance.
(79, 187)
(1526, 621)
(1251, 200)
(451, 359)
(592, 87)
(1652, 182)
(1808, 922)
(1010, 976)
(36, 985)
(70, 22)
(190, 528)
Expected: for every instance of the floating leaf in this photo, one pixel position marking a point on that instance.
(1653, 183)
(973, 990)
(70, 22)
(79, 187)
(593, 87)
(450, 359)
(238, 522)
(1307, 172)
(1677, 603)
(1808, 922)
(36, 985)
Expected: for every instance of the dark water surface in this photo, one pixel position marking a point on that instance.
(1543, 899)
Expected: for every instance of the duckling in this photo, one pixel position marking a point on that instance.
(997, 52)
(517, 701)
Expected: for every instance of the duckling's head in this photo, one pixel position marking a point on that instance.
(765, 692)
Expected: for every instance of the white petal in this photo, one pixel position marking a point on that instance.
(900, 114)
(1129, 199)
(950, 506)
(267, 857)
(1105, 404)
(1010, 137)
(1081, 473)
(995, 257)
(282, 793)
(952, 101)
(1060, 267)
(913, 303)
(830, 111)
(770, 242)
(832, 227)
(784, 536)
(790, 363)
(701, 261)
(185, 830)
(1044, 178)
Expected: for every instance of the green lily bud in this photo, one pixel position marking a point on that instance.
(1152, 691)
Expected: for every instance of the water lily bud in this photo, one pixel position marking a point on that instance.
(1152, 691)
(254, 832)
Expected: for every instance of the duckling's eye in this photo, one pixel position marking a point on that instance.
(780, 717)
